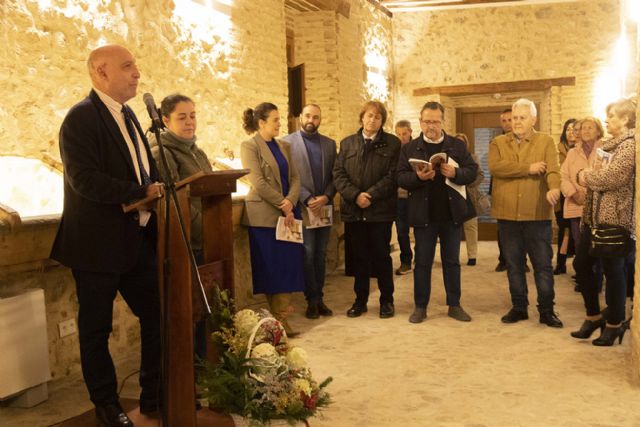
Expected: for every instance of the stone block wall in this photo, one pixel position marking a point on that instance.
(228, 58)
(239, 62)
(484, 45)
(333, 48)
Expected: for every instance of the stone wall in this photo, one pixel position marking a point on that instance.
(226, 59)
(484, 45)
(334, 49)
(43, 52)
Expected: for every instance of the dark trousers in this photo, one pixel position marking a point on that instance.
(501, 259)
(520, 238)
(96, 292)
(450, 235)
(402, 228)
(369, 246)
(564, 228)
(614, 271)
(315, 254)
(630, 271)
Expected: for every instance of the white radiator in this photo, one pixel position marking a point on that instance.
(24, 356)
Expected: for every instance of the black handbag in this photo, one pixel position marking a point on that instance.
(609, 241)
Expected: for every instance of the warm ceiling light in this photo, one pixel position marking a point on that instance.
(633, 10)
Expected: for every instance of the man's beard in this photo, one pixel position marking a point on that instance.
(309, 128)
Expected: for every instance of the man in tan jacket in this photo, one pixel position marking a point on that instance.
(526, 185)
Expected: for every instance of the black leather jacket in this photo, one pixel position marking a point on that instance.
(372, 169)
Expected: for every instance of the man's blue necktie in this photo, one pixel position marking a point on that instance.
(146, 180)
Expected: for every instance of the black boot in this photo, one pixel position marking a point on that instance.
(588, 327)
(609, 336)
(561, 265)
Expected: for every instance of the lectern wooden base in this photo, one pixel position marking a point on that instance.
(205, 418)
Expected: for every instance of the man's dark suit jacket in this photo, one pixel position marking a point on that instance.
(95, 234)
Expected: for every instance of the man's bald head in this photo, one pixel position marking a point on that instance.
(113, 70)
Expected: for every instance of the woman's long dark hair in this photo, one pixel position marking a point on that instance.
(563, 137)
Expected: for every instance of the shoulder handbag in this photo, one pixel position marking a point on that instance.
(607, 240)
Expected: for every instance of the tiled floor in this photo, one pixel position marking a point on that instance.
(442, 372)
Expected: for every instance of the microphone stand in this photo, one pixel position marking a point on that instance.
(171, 196)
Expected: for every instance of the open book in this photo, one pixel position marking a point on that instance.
(324, 220)
(434, 162)
(289, 234)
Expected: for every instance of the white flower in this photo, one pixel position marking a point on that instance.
(265, 351)
(303, 385)
(245, 321)
(297, 358)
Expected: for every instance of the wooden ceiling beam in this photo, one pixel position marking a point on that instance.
(500, 87)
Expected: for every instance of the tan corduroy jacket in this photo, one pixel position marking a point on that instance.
(261, 204)
(516, 195)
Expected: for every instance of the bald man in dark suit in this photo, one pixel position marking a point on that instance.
(107, 162)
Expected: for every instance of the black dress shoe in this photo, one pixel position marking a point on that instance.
(149, 407)
(324, 310)
(312, 311)
(501, 267)
(560, 269)
(386, 310)
(112, 415)
(514, 316)
(356, 310)
(550, 318)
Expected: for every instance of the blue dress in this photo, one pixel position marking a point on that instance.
(276, 266)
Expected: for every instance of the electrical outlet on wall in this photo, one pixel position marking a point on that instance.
(68, 327)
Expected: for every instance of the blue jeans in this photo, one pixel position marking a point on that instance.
(520, 238)
(402, 227)
(315, 252)
(426, 239)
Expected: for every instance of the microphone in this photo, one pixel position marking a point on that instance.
(147, 98)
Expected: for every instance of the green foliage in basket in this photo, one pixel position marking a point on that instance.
(258, 375)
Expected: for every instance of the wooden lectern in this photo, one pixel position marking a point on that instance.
(217, 231)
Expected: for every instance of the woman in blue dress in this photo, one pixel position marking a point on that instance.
(276, 266)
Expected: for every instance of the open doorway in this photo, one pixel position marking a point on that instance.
(296, 96)
(481, 125)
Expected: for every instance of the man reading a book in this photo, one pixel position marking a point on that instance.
(438, 206)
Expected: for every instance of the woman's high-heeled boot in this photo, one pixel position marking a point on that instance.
(609, 335)
(588, 327)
